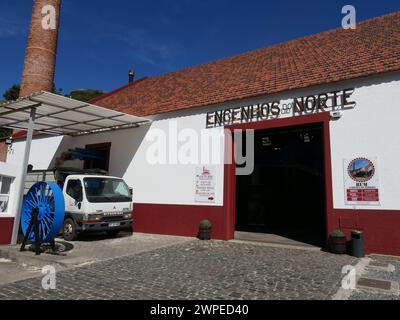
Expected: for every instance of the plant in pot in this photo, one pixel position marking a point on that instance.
(338, 242)
(205, 229)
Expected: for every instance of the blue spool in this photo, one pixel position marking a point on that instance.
(49, 199)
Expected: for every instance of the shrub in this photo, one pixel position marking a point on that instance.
(205, 225)
(337, 234)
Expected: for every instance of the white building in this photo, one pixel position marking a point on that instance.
(320, 109)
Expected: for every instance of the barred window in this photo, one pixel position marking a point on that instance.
(5, 186)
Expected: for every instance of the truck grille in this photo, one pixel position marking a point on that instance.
(112, 218)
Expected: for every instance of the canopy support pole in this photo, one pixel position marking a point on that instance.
(25, 162)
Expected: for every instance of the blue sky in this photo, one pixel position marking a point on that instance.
(101, 40)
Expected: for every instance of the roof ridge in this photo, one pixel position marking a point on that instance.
(105, 95)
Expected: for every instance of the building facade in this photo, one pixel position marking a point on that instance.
(319, 116)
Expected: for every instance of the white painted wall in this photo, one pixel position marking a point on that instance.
(14, 172)
(156, 184)
(42, 152)
(371, 129)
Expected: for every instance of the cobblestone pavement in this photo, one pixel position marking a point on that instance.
(12, 272)
(373, 273)
(93, 248)
(198, 270)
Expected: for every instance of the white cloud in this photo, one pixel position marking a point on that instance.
(8, 32)
(10, 28)
(139, 44)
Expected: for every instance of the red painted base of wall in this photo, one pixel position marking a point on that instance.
(381, 228)
(6, 226)
(180, 220)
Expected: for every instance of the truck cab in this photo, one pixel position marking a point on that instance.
(96, 203)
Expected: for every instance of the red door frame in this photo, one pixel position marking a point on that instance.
(230, 169)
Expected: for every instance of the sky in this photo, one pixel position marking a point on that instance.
(101, 40)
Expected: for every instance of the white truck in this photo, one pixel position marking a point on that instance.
(96, 203)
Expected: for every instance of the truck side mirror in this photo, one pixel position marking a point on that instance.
(131, 192)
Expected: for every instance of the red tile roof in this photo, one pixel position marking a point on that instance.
(336, 55)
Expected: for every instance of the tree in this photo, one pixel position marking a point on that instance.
(12, 93)
(57, 91)
(85, 95)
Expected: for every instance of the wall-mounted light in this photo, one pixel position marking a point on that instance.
(306, 138)
(9, 141)
(336, 115)
(266, 142)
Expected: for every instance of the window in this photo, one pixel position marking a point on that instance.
(5, 186)
(102, 151)
(74, 190)
(100, 190)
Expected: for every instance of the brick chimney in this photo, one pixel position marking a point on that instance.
(41, 50)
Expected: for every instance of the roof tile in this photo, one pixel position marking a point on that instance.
(332, 56)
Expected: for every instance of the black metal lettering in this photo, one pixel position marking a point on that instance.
(236, 118)
(246, 114)
(334, 98)
(275, 110)
(265, 110)
(322, 101)
(227, 117)
(298, 105)
(210, 118)
(218, 118)
(346, 95)
(313, 101)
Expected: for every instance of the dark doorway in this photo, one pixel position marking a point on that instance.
(103, 162)
(285, 195)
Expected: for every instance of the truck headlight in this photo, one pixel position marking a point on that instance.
(90, 218)
(128, 216)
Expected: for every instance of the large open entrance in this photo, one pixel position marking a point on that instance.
(285, 195)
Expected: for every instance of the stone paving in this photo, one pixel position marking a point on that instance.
(12, 272)
(197, 270)
(375, 273)
(93, 248)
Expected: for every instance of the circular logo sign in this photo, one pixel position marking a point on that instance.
(361, 170)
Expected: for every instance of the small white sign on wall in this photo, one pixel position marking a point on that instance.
(361, 177)
(205, 184)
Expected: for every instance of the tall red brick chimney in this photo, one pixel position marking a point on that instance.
(41, 51)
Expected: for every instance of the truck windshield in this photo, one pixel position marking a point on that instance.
(106, 190)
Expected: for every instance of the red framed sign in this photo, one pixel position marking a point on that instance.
(362, 181)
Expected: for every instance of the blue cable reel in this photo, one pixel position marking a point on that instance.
(42, 215)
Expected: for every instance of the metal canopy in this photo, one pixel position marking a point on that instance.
(58, 115)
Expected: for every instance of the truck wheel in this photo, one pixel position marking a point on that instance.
(112, 233)
(69, 230)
